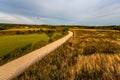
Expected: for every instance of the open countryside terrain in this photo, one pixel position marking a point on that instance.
(12, 69)
(59, 39)
(19, 43)
(88, 55)
(91, 54)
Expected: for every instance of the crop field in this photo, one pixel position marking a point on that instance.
(88, 55)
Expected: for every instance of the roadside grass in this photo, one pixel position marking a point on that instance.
(86, 56)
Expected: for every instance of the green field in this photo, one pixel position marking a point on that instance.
(14, 44)
(11, 42)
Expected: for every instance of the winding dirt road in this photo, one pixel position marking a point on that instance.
(16, 67)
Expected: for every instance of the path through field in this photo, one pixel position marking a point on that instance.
(16, 67)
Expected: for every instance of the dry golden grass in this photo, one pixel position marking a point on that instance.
(88, 55)
(77, 29)
(98, 56)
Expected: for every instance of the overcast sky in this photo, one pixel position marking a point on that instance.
(76, 12)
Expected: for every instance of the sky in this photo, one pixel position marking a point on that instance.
(60, 12)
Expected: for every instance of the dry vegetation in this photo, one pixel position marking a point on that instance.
(88, 55)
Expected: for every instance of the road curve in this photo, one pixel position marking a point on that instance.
(16, 67)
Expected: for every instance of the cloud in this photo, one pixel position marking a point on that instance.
(9, 18)
(89, 12)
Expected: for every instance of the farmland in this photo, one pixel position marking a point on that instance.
(88, 55)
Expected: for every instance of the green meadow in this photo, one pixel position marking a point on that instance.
(10, 42)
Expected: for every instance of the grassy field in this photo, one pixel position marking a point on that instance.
(88, 55)
(14, 46)
(11, 42)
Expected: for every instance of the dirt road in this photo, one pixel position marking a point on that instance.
(16, 67)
